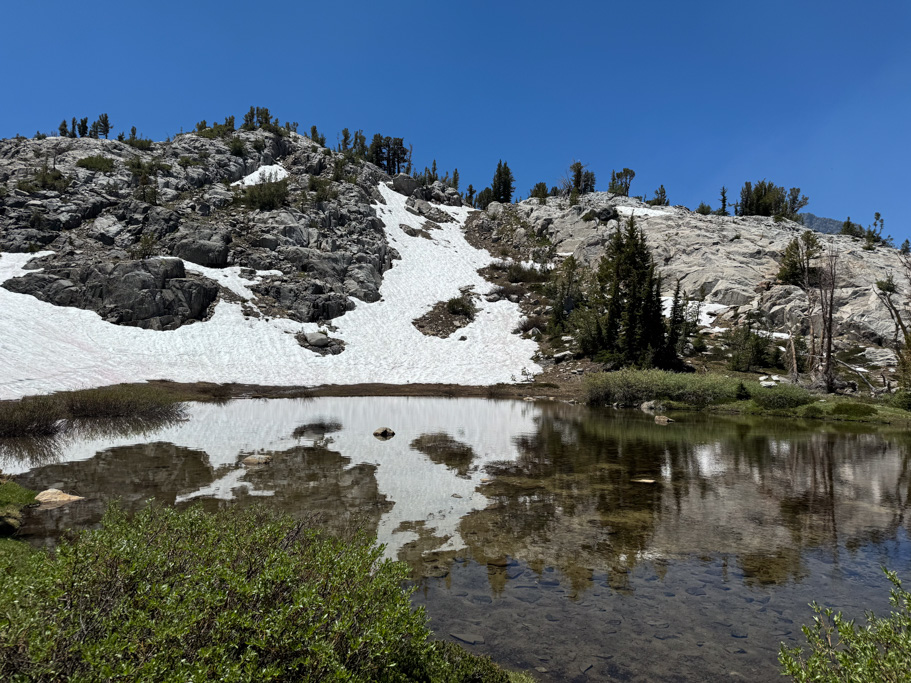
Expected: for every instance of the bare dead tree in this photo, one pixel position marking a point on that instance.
(828, 274)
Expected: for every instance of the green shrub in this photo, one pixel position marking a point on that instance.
(239, 595)
(839, 650)
(237, 147)
(143, 144)
(782, 397)
(902, 400)
(322, 189)
(631, 387)
(45, 179)
(266, 195)
(461, 305)
(812, 411)
(589, 215)
(30, 416)
(186, 162)
(96, 163)
(853, 410)
(517, 272)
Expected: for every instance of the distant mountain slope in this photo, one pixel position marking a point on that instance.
(829, 226)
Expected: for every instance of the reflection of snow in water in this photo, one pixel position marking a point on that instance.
(421, 490)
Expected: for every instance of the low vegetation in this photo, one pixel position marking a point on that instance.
(96, 163)
(840, 650)
(45, 179)
(239, 595)
(267, 195)
(461, 305)
(631, 387)
(40, 416)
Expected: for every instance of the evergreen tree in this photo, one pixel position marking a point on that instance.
(376, 153)
(249, 120)
(660, 198)
(360, 145)
(469, 195)
(63, 129)
(485, 197)
(540, 192)
(620, 181)
(73, 127)
(503, 184)
(345, 142)
(588, 182)
(621, 321)
(723, 211)
(104, 125)
(455, 179)
(768, 199)
(93, 130)
(704, 209)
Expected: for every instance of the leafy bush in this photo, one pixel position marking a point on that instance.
(239, 595)
(812, 411)
(902, 400)
(839, 650)
(782, 397)
(266, 195)
(631, 387)
(30, 416)
(853, 410)
(461, 305)
(97, 163)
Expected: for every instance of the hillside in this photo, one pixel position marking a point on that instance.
(262, 257)
(230, 292)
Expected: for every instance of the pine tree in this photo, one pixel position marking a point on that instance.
(723, 211)
(104, 125)
(660, 198)
(620, 181)
(455, 179)
(249, 119)
(621, 320)
(63, 129)
(93, 130)
(503, 184)
(73, 127)
(345, 142)
(469, 195)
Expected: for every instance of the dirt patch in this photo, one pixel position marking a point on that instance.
(446, 317)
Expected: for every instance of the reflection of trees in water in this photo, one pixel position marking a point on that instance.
(595, 492)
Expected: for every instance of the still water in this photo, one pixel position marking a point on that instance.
(574, 543)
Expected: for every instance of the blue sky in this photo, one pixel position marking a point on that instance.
(692, 95)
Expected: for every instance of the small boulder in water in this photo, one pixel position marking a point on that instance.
(384, 433)
(52, 498)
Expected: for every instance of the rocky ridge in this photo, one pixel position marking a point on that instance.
(323, 248)
(731, 262)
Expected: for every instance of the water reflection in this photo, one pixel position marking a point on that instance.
(594, 493)
(594, 544)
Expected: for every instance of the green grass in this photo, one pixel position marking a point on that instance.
(13, 494)
(630, 387)
(237, 595)
(41, 416)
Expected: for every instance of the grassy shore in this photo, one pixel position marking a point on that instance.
(716, 392)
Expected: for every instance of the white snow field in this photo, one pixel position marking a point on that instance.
(46, 348)
(271, 173)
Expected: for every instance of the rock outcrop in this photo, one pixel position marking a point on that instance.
(731, 261)
(323, 245)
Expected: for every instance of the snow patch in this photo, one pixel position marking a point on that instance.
(270, 173)
(46, 348)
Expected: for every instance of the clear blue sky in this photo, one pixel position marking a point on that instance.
(694, 95)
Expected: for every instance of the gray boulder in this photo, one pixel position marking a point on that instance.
(405, 184)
